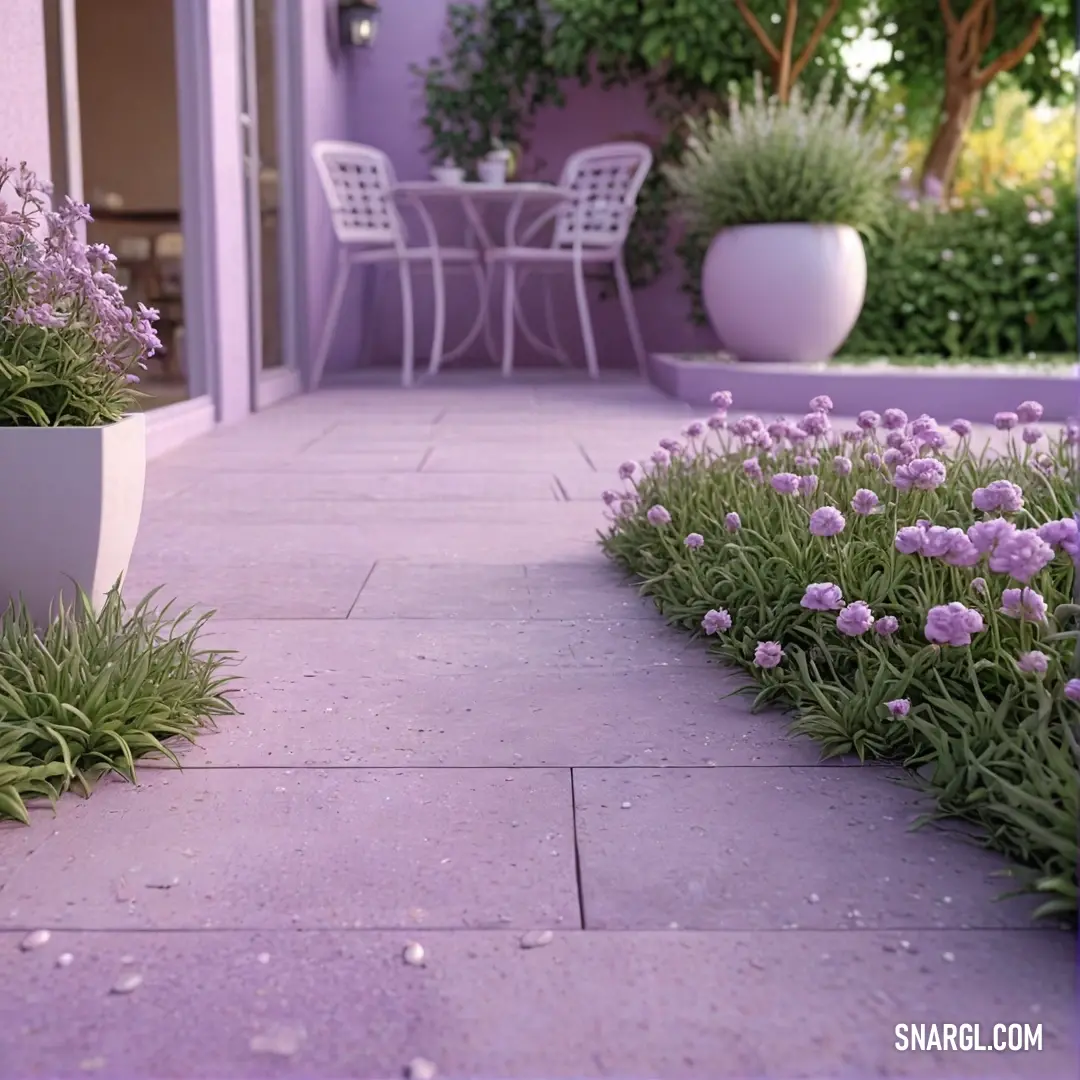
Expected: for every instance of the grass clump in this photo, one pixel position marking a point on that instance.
(906, 595)
(96, 690)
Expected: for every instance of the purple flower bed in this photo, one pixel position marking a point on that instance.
(907, 597)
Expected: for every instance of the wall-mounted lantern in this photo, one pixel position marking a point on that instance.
(358, 21)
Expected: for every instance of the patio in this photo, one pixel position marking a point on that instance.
(460, 726)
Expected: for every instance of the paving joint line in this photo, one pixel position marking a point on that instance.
(524, 927)
(579, 885)
(356, 600)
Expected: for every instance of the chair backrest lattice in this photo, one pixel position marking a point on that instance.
(606, 180)
(357, 181)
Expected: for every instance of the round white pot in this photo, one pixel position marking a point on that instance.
(70, 503)
(787, 292)
(491, 171)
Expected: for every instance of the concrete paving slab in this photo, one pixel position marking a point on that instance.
(450, 716)
(416, 532)
(590, 487)
(254, 588)
(448, 457)
(190, 465)
(258, 489)
(746, 848)
(408, 590)
(306, 849)
(683, 1006)
(408, 647)
(349, 438)
(584, 590)
(562, 718)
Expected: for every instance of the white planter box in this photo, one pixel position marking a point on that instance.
(70, 503)
(949, 391)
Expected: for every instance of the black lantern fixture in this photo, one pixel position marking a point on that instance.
(358, 21)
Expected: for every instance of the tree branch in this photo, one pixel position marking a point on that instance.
(973, 16)
(758, 31)
(816, 35)
(787, 45)
(947, 13)
(989, 27)
(1010, 58)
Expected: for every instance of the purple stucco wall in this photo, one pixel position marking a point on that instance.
(327, 101)
(24, 102)
(370, 96)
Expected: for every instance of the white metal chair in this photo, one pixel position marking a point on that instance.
(589, 230)
(358, 182)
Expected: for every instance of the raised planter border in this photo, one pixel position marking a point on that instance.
(785, 389)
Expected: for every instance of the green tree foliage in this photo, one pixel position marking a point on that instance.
(948, 55)
(693, 48)
(917, 33)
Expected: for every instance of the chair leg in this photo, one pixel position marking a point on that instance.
(509, 325)
(586, 322)
(372, 280)
(552, 325)
(438, 339)
(408, 329)
(332, 314)
(626, 298)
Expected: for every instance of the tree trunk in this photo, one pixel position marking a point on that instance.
(947, 144)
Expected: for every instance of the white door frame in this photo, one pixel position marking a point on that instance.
(170, 425)
(197, 209)
(70, 116)
(270, 386)
(292, 211)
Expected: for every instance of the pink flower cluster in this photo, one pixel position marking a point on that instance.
(952, 624)
(854, 619)
(1019, 553)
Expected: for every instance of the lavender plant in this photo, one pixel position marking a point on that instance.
(70, 348)
(817, 160)
(908, 595)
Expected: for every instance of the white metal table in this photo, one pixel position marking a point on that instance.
(475, 199)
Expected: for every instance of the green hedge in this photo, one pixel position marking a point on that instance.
(989, 280)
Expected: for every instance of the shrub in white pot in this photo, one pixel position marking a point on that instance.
(780, 193)
(72, 450)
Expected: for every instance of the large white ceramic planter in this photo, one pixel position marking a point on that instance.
(70, 503)
(789, 292)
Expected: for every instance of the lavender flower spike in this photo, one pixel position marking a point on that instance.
(657, 515)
